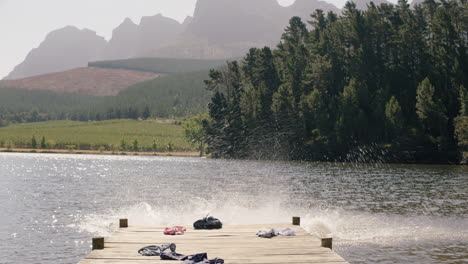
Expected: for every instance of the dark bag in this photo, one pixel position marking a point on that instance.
(208, 223)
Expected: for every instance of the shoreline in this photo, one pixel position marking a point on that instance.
(97, 152)
(190, 154)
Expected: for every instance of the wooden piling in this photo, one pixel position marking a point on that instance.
(327, 242)
(98, 243)
(296, 220)
(123, 223)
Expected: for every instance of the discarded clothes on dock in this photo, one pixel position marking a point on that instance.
(208, 222)
(167, 252)
(272, 232)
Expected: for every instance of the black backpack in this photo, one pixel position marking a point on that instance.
(208, 223)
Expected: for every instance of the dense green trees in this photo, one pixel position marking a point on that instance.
(430, 111)
(195, 133)
(388, 78)
(461, 125)
(394, 118)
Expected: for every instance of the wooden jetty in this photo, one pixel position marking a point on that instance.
(236, 244)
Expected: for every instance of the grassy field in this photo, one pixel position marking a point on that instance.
(101, 136)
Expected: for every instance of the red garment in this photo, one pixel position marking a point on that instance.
(176, 230)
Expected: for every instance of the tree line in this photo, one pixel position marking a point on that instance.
(81, 115)
(176, 95)
(133, 145)
(388, 83)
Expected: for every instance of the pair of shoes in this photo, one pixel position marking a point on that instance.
(208, 223)
(157, 250)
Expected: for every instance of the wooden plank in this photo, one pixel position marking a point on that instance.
(236, 244)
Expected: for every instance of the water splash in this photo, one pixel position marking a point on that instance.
(346, 227)
(145, 214)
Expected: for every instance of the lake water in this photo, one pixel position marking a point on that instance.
(52, 205)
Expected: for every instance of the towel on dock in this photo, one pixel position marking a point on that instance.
(269, 233)
(176, 230)
(208, 222)
(152, 251)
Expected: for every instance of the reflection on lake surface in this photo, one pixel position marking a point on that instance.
(52, 205)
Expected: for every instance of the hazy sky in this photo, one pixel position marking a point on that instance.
(25, 23)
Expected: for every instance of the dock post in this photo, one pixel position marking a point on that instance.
(98, 243)
(123, 223)
(296, 220)
(327, 242)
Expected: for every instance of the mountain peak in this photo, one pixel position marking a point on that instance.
(128, 21)
(159, 18)
(187, 20)
(62, 49)
(71, 32)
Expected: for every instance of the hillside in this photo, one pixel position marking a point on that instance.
(181, 94)
(175, 95)
(63, 49)
(160, 65)
(14, 101)
(219, 29)
(88, 81)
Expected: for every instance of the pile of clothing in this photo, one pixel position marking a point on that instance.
(168, 252)
(175, 230)
(272, 232)
(208, 222)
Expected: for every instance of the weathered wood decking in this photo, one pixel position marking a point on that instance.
(235, 244)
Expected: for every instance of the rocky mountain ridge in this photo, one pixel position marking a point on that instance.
(218, 29)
